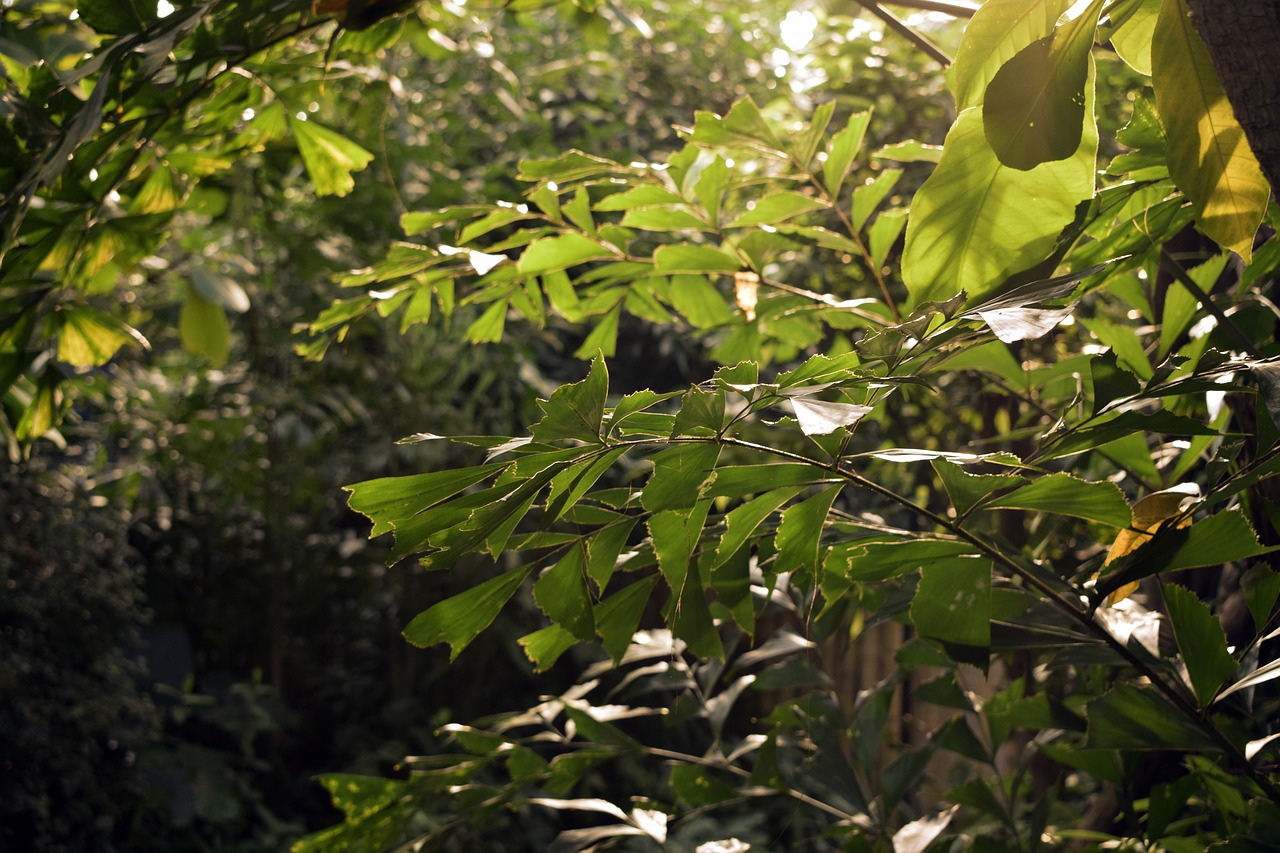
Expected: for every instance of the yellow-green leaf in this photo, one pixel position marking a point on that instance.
(330, 158)
(90, 338)
(1000, 29)
(1209, 158)
(976, 221)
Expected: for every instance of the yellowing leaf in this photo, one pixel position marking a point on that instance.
(1209, 158)
(1148, 514)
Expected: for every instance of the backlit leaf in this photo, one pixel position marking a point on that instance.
(548, 254)
(1209, 157)
(844, 147)
(1063, 494)
(778, 207)
(460, 619)
(1201, 641)
(1034, 108)
(998, 30)
(330, 158)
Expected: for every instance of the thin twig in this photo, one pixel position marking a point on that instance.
(906, 32)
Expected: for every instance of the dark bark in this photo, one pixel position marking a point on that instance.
(1244, 43)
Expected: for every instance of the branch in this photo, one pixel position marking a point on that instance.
(906, 32)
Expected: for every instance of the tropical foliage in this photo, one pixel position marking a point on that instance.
(809, 380)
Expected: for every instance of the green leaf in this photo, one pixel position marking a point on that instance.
(603, 549)
(799, 536)
(204, 330)
(878, 561)
(1129, 717)
(998, 30)
(1209, 157)
(699, 301)
(711, 185)
(548, 254)
(563, 298)
(968, 490)
(693, 259)
(1135, 27)
(742, 521)
(618, 616)
(1063, 494)
(1201, 641)
(603, 339)
(575, 411)
(965, 232)
(390, 501)
(1181, 306)
(1223, 538)
(460, 619)
(664, 219)
(645, 195)
(844, 147)
(743, 125)
(545, 646)
(1034, 108)
(563, 595)
(676, 535)
(778, 207)
(116, 17)
(90, 338)
(697, 787)
(884, 232)
(680, 474)
(867, 197)
(953, 601)
(330, 158)
(910, 151)
(488, 327)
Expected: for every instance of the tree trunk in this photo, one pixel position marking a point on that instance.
(1244, 43)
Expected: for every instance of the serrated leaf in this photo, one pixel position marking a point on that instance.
(818, 417)
(968, 490)
(1063, 494)
(575, 411)
(710, 186)
(953, 601)
(548, 254)
(1034, 108)
(960, 235)
(679, 476)
(778, 207)
(742, 521)
(1149, 513)
(329, 157)
(844, 147)
(460, 619)
(1200, 640)
(1209, 157)
(799, 538)
(618, 616)
(878, 561)
(645, 195)
(562, 593)
(545, 646)
(1129, 717)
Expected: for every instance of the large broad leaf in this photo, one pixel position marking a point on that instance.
(953, 601)
(976, 221)
(330, 158)
(1063, 494)
(1209, 157)
(458, 620)
(1135, 25)
(1033, 112)
(1201, 641)
(998, 30)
